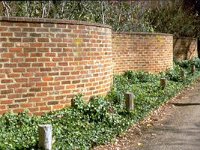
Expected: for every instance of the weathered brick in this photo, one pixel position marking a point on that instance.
(7, 91)
(13, 106)
(43, 39)
(43, 63)
(15, 39)
(136, 51)
(7, 34)
(29, 40)
(52, 103)
(21, 100)
(35, 89)
(7, 81)
(19, 110)
(28, 29)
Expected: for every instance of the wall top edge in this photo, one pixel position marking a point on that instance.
(191, 38)
(143, 33)
(48, 20)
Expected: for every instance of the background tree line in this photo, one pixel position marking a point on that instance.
(172, 17)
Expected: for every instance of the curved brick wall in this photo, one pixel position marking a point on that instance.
(151, 52)
(185, 48)
(45, 62)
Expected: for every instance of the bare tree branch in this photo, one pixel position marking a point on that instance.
(7, 8)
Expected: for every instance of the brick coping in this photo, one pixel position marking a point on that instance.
(47, 20)
(143, 33)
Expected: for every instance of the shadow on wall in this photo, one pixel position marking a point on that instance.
(185, 48)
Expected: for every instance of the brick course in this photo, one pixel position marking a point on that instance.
(151, 52)
(185, 48)
(45, 62)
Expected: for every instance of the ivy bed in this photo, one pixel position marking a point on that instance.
(103, 118)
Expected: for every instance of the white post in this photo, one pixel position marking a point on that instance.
(45, 137)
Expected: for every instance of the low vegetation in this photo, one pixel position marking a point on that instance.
(103, 118)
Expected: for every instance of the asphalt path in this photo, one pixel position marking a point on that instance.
(180, 130)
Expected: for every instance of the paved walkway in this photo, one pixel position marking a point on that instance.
(180, 130)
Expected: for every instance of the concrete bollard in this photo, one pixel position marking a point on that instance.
(163, 83)
(193, 69)
(72, 102)
(45, 137)
(129, 101)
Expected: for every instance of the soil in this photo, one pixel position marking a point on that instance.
(174, 126)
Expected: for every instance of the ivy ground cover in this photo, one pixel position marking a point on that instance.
(103, 118)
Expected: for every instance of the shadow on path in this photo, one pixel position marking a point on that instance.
(185, 104)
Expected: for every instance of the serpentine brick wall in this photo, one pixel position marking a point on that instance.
(185, 48)
(151, 52)
(45, 62)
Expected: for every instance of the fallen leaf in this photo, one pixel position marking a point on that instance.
(149, 125)
(139, 144)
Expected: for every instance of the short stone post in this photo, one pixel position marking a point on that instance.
(193, 69)
(183, 75)
(129, 101)
(45, 137)
(72, 102)
(163, 83)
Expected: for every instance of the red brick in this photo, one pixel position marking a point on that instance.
(13, 106)
(2, 107)
(47, 78)
(10, 65)
(7, 101)
(29, 40)
(19, 70)
(3, 112)
(28, 29)
(45, 108)
(3, 39)
(26, 105)
(18, 49)
(20, 34)
(52, 102)
(43, 39)
(21, 100)
(15, 39)
(42, 30)
(41, 84)
(3, 29)
(35, 109)
(13, 96)
(19, 110)
(7, 55)
(14, 29)
(21, 80)
(20, 24)
(30, 49)
(35, 44)
(7, 81)
(38, 64)
(6, 91)
(7, 34)
(35, 99)
(57, 107)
